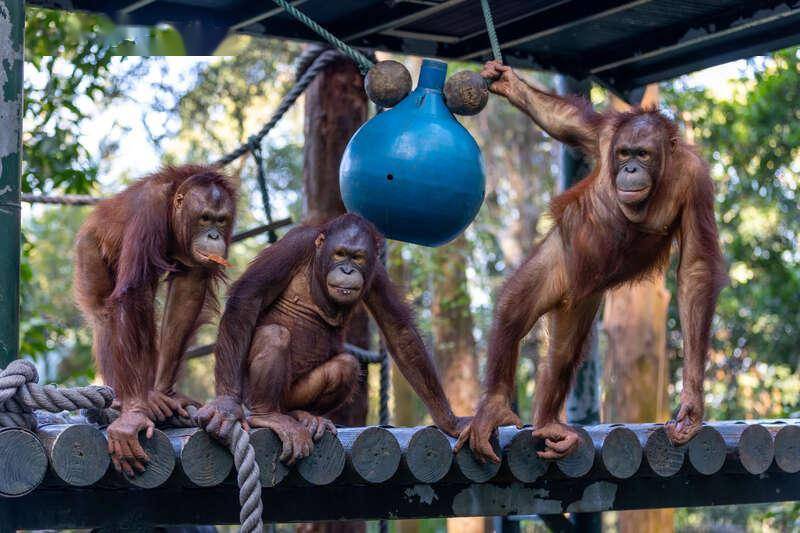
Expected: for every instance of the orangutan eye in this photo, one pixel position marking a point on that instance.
(624, 153)
(205, 218)
(339, 255)
(360, 258)
(643, 155)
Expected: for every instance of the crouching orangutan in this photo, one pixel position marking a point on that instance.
(280, 349)
(647, 189)
(176, 222)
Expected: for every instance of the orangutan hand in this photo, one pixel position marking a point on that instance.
(688, 421)
(502, 78)
(493, 411)
(560, 440)
(161, 405)
(220, 415)
(455, 425)
(295, 438)
(126, 452)
(316, 425)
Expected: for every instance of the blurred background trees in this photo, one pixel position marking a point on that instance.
(95, 119)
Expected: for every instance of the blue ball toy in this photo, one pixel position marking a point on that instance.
(414, 171)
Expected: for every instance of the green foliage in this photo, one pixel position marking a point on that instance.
(751, 136)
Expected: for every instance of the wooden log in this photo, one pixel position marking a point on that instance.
(578, 463)
(662, 457)
(707, 451)
(267, 447)
(426, 455)
(750, 447)
(78, 453)
(372, 453)
(618, 449)
(157, 470)
(467, 467)
(326, 462)
(202, 460)
(520, 450)
(787, 447)
(23, 462)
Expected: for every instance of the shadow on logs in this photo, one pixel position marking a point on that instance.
(78, 453)
(23, 461)
(426, 454)
(203, 462)
(372, 453)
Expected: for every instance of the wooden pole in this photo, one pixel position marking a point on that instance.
(520, 450)
(326, 462)
(158, 470)
(372, 453)
(267, 447)
(619, 451)
(426, 453)
(201, 460)
(23, 462)
(12, 30)
(78, 453)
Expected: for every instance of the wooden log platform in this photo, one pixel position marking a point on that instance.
(385, 472)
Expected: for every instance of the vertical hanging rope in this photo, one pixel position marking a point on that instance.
(261, 177)
(490, 30)
(360, 59)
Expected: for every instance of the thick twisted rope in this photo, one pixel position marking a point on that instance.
(248, 476)
(360, 59)
(20, 394)
(490, 30)
(319, 64)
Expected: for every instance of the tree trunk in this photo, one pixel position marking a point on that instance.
(405, 410)
(455, 344)
(636, 368)
(335, 107)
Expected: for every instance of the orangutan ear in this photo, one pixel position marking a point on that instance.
(319, 241)
(673, 143)
(178, 201)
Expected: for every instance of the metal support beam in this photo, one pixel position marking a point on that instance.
(12, 24)
(583, 403)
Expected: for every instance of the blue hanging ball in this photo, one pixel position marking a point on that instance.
(414, 170)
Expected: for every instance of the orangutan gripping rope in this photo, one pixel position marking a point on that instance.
(647, 189)
(281, 339)
(176, 222)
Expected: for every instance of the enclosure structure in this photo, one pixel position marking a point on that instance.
(387, 473)
(621, 44)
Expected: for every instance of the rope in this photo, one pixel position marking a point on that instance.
(64, 199)
(20, 394)
(311, 63)
(247, 473)
(262, 186)
(319, 64)
(490, 30)
(360, 59)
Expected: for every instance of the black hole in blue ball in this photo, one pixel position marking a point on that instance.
(389, 177)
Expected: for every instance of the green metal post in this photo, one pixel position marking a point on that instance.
(583, 403)
(12, 24)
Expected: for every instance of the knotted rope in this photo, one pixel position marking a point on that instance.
(248, 476)
(20, 394)
(491, 31)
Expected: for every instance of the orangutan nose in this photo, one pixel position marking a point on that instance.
(631, 169)
(213, 235)
(347, 270)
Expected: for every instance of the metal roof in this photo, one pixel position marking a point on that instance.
(623, 44)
